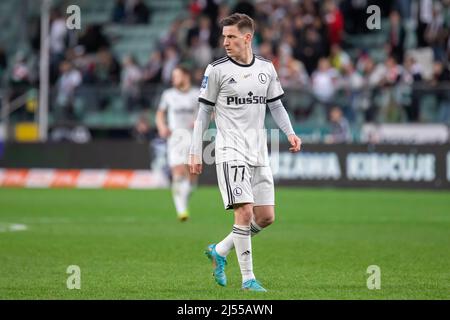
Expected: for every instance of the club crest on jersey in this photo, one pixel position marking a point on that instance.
(204, 82)
(262, 78)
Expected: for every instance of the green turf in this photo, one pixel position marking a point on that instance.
(129, 245)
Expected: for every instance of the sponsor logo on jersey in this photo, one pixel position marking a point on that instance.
(232, 81)
(250, 99)
(204, 82)
(247, 75)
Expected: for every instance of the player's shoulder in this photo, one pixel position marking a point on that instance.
(169, 91)
(264, 63)
(219, 62)
(263, 59)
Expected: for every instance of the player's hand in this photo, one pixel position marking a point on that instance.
(296, 143)
(195, 164)
(164, 132)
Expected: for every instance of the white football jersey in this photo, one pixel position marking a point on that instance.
(239, 94)
(181, 107)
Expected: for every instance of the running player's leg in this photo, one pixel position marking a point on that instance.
(180, 190)
(193, 183)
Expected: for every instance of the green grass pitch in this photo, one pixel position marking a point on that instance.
(129, 245)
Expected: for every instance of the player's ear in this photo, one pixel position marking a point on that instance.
(248, 37)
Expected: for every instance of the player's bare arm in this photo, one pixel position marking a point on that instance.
(161, 124)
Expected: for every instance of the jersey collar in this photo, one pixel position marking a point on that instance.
(243, 65)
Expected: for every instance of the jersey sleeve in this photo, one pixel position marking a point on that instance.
(210, 87)
(275, 91)
(163, 103)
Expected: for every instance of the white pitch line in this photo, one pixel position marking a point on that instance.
(12, 227)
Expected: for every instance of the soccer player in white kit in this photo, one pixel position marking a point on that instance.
(181, 106)
(238, 88)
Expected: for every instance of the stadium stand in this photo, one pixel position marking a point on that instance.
(114, 89)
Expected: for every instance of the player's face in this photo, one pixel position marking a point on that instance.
(234, 41)
(177, 78)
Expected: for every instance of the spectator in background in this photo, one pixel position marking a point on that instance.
(396, 36)
(152, 70)
(131, 78)
(372, 74)
(171, 60)
(20, 73)
(355, 13)
(339, 127)
(334, 21)
(195, 8)
(310, 49)
(200, 52)
(390, 109)
(246, 7)
(142, 130)
(93, 39)
(441, 75)
(119, 13)
(436, 34)
(404, 8)
(203, 32)
(339, 58)
(58, 34)
(424, 18)
(292, 73)
(265, 50)
(69, 79)
(175, 35)
(412, 73)
(107, 68)
(210, 8)
(141, 13)
(393, 72)
(352, 85)
(324, 82)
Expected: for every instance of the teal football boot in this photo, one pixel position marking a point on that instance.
(253, 285)
(219, 264)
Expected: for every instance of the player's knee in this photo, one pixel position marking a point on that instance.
(267, 220)
(244, 214)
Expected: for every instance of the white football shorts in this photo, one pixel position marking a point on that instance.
(178, 146)
(242, 183)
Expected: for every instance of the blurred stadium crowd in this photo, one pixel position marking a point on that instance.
(337, 73)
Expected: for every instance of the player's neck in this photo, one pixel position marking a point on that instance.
(246, 57)
(184, 87)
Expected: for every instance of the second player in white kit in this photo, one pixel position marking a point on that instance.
(175, 120)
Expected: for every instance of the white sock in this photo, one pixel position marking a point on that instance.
(254, 228)
(192, 187)
(243, 245)
(224, 247)
(180, 191)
